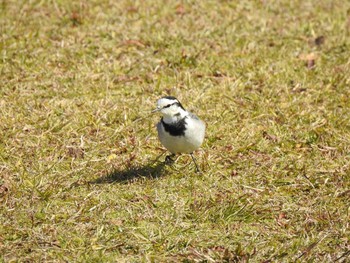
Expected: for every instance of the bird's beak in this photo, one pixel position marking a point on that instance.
(155, 110)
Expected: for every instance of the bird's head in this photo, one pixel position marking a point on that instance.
(169, 106)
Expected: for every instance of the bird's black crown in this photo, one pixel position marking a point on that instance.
(173, 98)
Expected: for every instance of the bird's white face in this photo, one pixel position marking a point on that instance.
(169, 106)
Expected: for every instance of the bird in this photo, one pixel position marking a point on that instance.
(179, 130)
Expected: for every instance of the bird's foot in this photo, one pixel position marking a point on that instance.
(169, 159)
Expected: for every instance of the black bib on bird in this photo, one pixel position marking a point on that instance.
(176, 128)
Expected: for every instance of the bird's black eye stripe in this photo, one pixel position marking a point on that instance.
(169, 105)
(175, 103)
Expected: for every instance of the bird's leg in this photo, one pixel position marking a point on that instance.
(169, 158)
(195, 163)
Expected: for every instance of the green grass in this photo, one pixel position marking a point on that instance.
(77, 141)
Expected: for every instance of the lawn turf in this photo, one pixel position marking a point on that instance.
(78, 146)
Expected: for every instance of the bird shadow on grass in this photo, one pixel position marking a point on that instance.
(131, 174)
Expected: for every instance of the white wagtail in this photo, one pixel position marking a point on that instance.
(179, 130)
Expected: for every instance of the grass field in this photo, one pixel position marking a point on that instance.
(79, 181)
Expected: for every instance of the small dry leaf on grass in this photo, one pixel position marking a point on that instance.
(132, 9)
(269, 137)
(133, 42)
(180, 9)
(282, 215)
(310, 59)
(3, 189)
(316, 41)
(76, 19)
(75, 152)
(319, 40)
(117, 222)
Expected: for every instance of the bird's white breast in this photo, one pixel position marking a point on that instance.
(187, 143)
